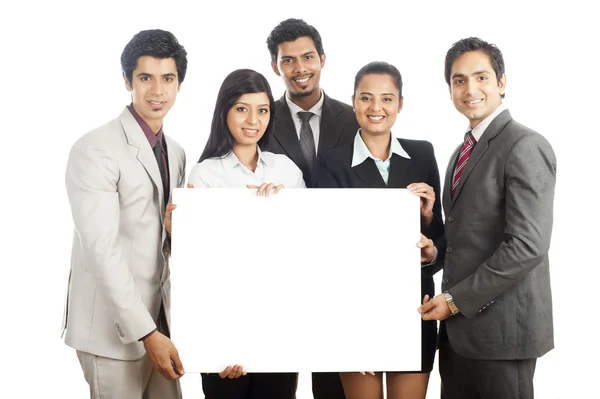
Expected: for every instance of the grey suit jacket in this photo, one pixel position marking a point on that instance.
(495, 249)
(119, 261)
(338, 127)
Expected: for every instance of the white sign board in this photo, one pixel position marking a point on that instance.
(304, 280)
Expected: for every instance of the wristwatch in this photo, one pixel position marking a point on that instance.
(450, 301)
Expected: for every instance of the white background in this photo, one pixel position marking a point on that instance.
(61, 78)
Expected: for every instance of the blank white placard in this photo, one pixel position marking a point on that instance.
(305, 280)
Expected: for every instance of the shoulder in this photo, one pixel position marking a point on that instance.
(99, 140)
(526, 141)
(279, 161)
(416, 147)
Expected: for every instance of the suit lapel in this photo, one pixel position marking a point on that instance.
(368, 172)
(331, 128)
(285, 133)
(399, 167)
(139, 143)
(174, 175)
(447, 195)
(480, 149)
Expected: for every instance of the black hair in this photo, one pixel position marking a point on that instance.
(155, 43)
(242, 81)
(379, 68)
(475, 44)
(289, 31)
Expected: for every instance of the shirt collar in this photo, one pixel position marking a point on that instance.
(478, 130)
(361, 151)
(152, 138)
(317, 109)
(231, 161)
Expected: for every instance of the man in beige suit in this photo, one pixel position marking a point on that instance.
(119, 177)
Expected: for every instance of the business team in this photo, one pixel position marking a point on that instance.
(495, 310)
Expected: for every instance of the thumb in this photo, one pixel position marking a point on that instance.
(178, 365)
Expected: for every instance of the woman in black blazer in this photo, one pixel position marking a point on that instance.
(379, 160)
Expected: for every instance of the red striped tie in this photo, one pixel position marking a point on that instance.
(463, 157)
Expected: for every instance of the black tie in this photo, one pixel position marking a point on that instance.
(307, 140)
(161, 167)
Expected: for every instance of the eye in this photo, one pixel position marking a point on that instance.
(365, 98)
(458, 81)
(145, 78)
(483, 78)
(169, 79)
(388, 99)
(263, 111)
(241, 109)
(308, 57)
(286, 61)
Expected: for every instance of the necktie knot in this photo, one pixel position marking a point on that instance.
(305, 116)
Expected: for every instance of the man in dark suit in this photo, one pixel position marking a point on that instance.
(307, 121)
(498, 196)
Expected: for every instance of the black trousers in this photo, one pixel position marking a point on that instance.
(251, 386)
(464, 378)
(327, 386)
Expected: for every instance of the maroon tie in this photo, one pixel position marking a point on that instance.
(463, 157)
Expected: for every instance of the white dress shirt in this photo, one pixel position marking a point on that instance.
(361, 153)
(228, 172)
(315, 121)
(478, 130)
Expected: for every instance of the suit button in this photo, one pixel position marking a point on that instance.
(449, 249)
(445, 281)
(450, 219)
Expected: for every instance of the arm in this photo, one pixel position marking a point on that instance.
(91, 179)
(530, 171)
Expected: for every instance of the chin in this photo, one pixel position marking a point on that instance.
(302, 93)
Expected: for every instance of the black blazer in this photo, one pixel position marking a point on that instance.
(335, 172)
(338, 127)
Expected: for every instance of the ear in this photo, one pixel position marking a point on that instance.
(323, 58)
(502, 83)
(400, 103)
(275, 69)
(450, 91)
(179, 87)
(353, 103)
(127, 84)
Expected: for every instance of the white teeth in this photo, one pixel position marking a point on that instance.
(303, 80)
(376, 118)
(474, 102)
(155, 102)
(251, 131)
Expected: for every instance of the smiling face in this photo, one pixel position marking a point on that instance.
(377, 102)
(474, 87)
(248, 118)
(154, 86)
(299, 64)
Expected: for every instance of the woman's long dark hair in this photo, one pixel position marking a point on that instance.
(237, 83)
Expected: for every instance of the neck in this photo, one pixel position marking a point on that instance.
(378, 145)
(247, 155)
(307, 102)
(154, 124)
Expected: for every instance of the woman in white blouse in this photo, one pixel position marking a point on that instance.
(242, 123)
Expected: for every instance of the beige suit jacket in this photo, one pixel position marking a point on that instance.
(119, 262)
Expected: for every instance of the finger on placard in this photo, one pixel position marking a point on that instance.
(278, 188)
(190, 185)
(177, 363)
(225, 372)
(268, 189)
(426, 299)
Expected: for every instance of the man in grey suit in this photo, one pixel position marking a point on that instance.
(496, 305)
(307, 121)
(119, 177)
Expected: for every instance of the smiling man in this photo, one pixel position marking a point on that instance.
(307, 121)
(496, 305)
(119, 177)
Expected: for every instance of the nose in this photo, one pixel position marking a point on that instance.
(252, 118)
(156, 88)
(376, 105)
(471, 86)
(300, 66)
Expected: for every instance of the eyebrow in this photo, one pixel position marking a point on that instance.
(383, 94)
(170, 74)
(301, 55)
(242, 103)
(462, 75)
